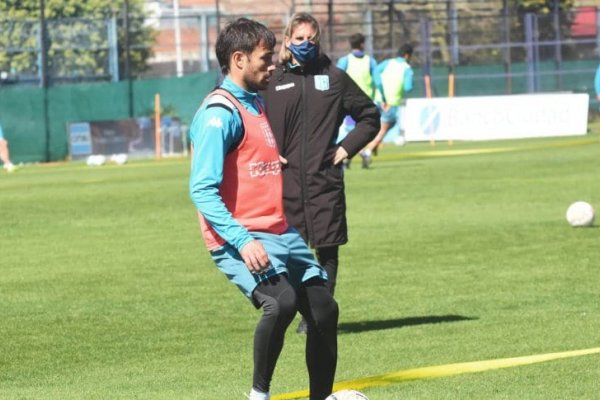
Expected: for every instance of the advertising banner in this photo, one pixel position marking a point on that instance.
(134, 137)
(496, 117)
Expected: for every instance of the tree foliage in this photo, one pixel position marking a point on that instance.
(77, 37)
(542, 6)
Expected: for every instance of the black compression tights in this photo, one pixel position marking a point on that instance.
(280, 302)
(329, 258)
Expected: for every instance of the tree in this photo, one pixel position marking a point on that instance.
(78, 37)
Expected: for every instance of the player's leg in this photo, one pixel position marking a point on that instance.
(278, 301)
(328, 258)
(320, 310)
(5, 155)
(388, 119)
(270, 291)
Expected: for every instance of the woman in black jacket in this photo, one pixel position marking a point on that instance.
(306, 101)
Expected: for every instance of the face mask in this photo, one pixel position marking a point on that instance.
(304, 51)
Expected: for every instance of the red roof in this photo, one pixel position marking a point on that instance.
(584, 23)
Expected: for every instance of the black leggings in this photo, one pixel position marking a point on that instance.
(329, 258)
(280, 302)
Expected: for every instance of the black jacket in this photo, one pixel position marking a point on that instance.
(306, 107)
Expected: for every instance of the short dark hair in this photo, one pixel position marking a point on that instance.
(357, 40)
(242, 35)
(405, 49)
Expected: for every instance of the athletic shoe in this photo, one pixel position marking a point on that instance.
(366, 158)
(10, 167)
(302, 327)
(256, 395)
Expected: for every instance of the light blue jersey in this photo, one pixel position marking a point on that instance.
(1, 133)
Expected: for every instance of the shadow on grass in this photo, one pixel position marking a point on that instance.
(364, 326)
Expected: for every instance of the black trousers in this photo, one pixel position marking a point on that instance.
(280, 302)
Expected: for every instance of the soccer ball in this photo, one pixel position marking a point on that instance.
(96, 160)
(347, 395)
(119, 159)
(580, 213)
(399, 141)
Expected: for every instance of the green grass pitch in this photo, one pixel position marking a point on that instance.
(457, 253)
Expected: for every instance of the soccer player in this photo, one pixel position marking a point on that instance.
(362, 68)
(236, 185)
(307, 99)
(5, 154)
(395, 79)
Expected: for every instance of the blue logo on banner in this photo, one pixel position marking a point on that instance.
(322, 82)
(80, 137)
(429, 120)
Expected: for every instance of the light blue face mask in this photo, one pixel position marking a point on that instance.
(305, 51)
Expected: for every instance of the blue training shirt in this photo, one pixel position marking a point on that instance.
(214, 132)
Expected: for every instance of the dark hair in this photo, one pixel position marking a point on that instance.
(242, 35)
(405, 49)
(357, 40)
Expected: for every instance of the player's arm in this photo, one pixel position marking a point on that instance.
(408, 80)
(214, 132)
(343, 63)
(377, 79)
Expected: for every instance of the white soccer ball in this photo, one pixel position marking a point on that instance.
(347, 395)
(96, 160)
(399, 141)
(580, 213)
(119, 159)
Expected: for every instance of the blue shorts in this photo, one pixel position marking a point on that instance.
(390, 116)
(288, 253)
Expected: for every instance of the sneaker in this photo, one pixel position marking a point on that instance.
(10, 167)
(366, 158)
(302, 327)
(346, 163)
(256, 395)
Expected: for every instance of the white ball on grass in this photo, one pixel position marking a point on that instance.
(347, 395)
(580, 213)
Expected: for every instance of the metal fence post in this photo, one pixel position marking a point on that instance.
(507, 48)
(113, 52)
(204, 50)
(598, 30)
(44, 76)
(530, 47)
(426, 52)
(557, 46)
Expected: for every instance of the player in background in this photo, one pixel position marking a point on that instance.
(395, 80)
(5, 154)
(362, 68)
(236, 186)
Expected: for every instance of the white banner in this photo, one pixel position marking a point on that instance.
(496, 117)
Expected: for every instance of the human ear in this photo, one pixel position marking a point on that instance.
(238, 60)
